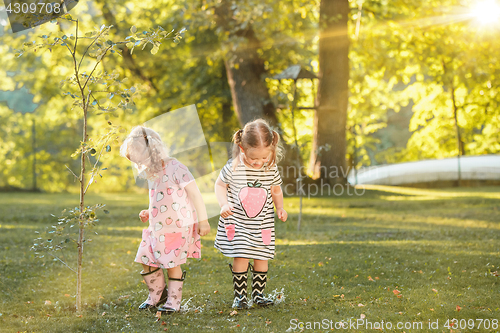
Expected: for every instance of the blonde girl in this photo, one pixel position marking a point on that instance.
(247, 188)
(176, 216)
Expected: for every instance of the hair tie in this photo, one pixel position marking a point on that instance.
(145, 136)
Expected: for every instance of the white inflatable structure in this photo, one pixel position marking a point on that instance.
(485, 167)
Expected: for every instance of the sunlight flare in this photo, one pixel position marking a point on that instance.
(486, 12)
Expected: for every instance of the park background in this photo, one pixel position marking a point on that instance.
(400, 81)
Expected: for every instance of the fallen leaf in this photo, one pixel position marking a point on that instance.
(370, 278)
(396, 292)
(67, 295)
(362, 316)
(320, 264)
(434, 290)
(103, 313)
(431, 309)
(459, 308)
(377, 278)
(233, 313)
(268, 321)
(360, 305)
(215, 291)
(356, 275)
(48, 302)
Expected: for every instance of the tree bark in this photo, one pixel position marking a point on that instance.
(328, 156)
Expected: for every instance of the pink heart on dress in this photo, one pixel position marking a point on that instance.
(173, 241)
(266, 236)
(230, 231)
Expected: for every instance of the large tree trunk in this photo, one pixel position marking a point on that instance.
(328, 156)
(244, 69)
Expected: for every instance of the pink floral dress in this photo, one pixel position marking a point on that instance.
(172, 235)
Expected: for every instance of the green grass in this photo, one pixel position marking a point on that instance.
(439, 248)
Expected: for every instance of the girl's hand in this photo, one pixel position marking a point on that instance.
(226, 210)
(203, 228)
(282, 214)
(144, 215)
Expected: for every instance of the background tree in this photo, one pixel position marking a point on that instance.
(329, 132)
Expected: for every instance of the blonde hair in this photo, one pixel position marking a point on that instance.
(257, 134)
(144, 147)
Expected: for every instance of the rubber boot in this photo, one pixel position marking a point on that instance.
(240, 289)
(173, 303)
(259, 280)
(155, 280)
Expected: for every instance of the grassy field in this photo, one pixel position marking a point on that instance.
(397, 256)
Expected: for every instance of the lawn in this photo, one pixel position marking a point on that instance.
(392, 256)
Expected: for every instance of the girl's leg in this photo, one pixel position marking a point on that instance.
(259, 280)
(155, 281)
(240, 277)
(175, 285)
(147, 269)
(174, 273)
(240, 264)
(260, 265)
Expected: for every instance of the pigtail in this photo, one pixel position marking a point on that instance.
(277, 149)
(237, 139)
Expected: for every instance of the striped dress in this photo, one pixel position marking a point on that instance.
(249, 232)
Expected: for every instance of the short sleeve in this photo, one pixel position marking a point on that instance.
(276, 178)
(182, 175)
(226, 173)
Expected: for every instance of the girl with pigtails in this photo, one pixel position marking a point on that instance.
(176, 216)
(246, 189)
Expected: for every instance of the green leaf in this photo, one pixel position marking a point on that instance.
(133, 29)
(108, 148)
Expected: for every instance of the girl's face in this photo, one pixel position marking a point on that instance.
(256, 157)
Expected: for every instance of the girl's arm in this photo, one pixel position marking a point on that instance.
(221, 195)
(277, 196)
(194, 195)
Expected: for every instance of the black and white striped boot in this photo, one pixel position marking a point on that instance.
(259, 280)
(240, 289)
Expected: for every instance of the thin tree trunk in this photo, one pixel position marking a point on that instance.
(82, 207)
(328, 161)
(460, 145)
